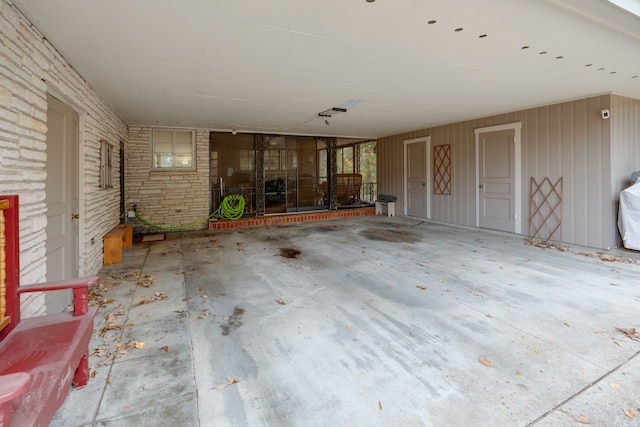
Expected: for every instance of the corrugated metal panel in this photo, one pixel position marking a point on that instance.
(569, 140)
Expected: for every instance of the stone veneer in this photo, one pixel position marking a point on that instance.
(169, 198)
(30, 69)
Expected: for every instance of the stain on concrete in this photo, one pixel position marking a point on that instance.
(324, 228)
(233, 322)
(392, 236)
(289, 253)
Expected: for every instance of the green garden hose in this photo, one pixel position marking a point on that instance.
(232, 207)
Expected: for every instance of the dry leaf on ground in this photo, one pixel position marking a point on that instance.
(146, 281)
(631, 333)
(139, 344)
(614, 386)
(630, 413)
(380, 405)
(280, 301)
(582, 419)
(229, 382)
(485, 362)
(164, 348)
(422, 288)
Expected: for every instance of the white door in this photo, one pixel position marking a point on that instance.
(497, 180)
(416, 177)
(62, 199)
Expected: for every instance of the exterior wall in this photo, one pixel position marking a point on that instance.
(568, 140)
(167, 198)
(625, 149)
(30, 67)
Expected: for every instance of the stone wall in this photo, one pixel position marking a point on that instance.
(30, 67)
(168, 198)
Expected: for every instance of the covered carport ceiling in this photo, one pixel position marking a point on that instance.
(273, 66)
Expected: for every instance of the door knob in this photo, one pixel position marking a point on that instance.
(481, 186)
(75, 216)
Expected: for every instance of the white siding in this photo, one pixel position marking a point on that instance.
(568, 140)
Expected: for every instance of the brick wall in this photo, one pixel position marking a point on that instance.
(30, 68)
(167, 198)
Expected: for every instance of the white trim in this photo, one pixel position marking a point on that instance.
(406, 142)
(517, 128)
(82, 126)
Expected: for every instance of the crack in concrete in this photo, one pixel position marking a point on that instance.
(587, 387)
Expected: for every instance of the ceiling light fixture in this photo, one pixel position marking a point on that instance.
(234, 131)
(370, 1)
(332, 112)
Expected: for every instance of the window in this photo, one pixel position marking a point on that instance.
(345, 159)
(173, 149)
(247, 160)
(106, 164)
(272, 159)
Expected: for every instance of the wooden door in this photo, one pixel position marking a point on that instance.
(497, 181)
(416, 178)
(62, 199)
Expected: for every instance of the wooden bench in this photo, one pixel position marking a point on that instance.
(40, 357)
(120, 236)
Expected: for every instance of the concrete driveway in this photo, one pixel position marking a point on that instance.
(370, 321)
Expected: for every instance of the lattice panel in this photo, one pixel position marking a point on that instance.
(442, 169)
(545, 207)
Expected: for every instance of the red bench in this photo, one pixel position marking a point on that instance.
(40, 357)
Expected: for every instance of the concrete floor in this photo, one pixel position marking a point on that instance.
(375, 322)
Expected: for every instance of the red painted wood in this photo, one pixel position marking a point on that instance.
(51, 350)
(13, 262)
(11, 387)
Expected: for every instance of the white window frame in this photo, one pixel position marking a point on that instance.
(106, 164)
(156, 167)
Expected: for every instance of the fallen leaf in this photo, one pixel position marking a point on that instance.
(630, 413)
(139, 344)
(614, 386)
(485, 362)
(582, 419)
(195, 268)
(280, 301)
(631, 333)
(489, 315)
(380, 405)
(229, 382)
(422, 288)
(164, 348)
(443, 281)
(146, 281)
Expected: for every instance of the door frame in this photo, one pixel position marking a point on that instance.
(427, 163)
(517, 128)
(82, 126)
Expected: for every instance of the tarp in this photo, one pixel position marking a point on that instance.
(629, 217)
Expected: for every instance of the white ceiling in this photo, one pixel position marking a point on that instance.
(272, 66)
